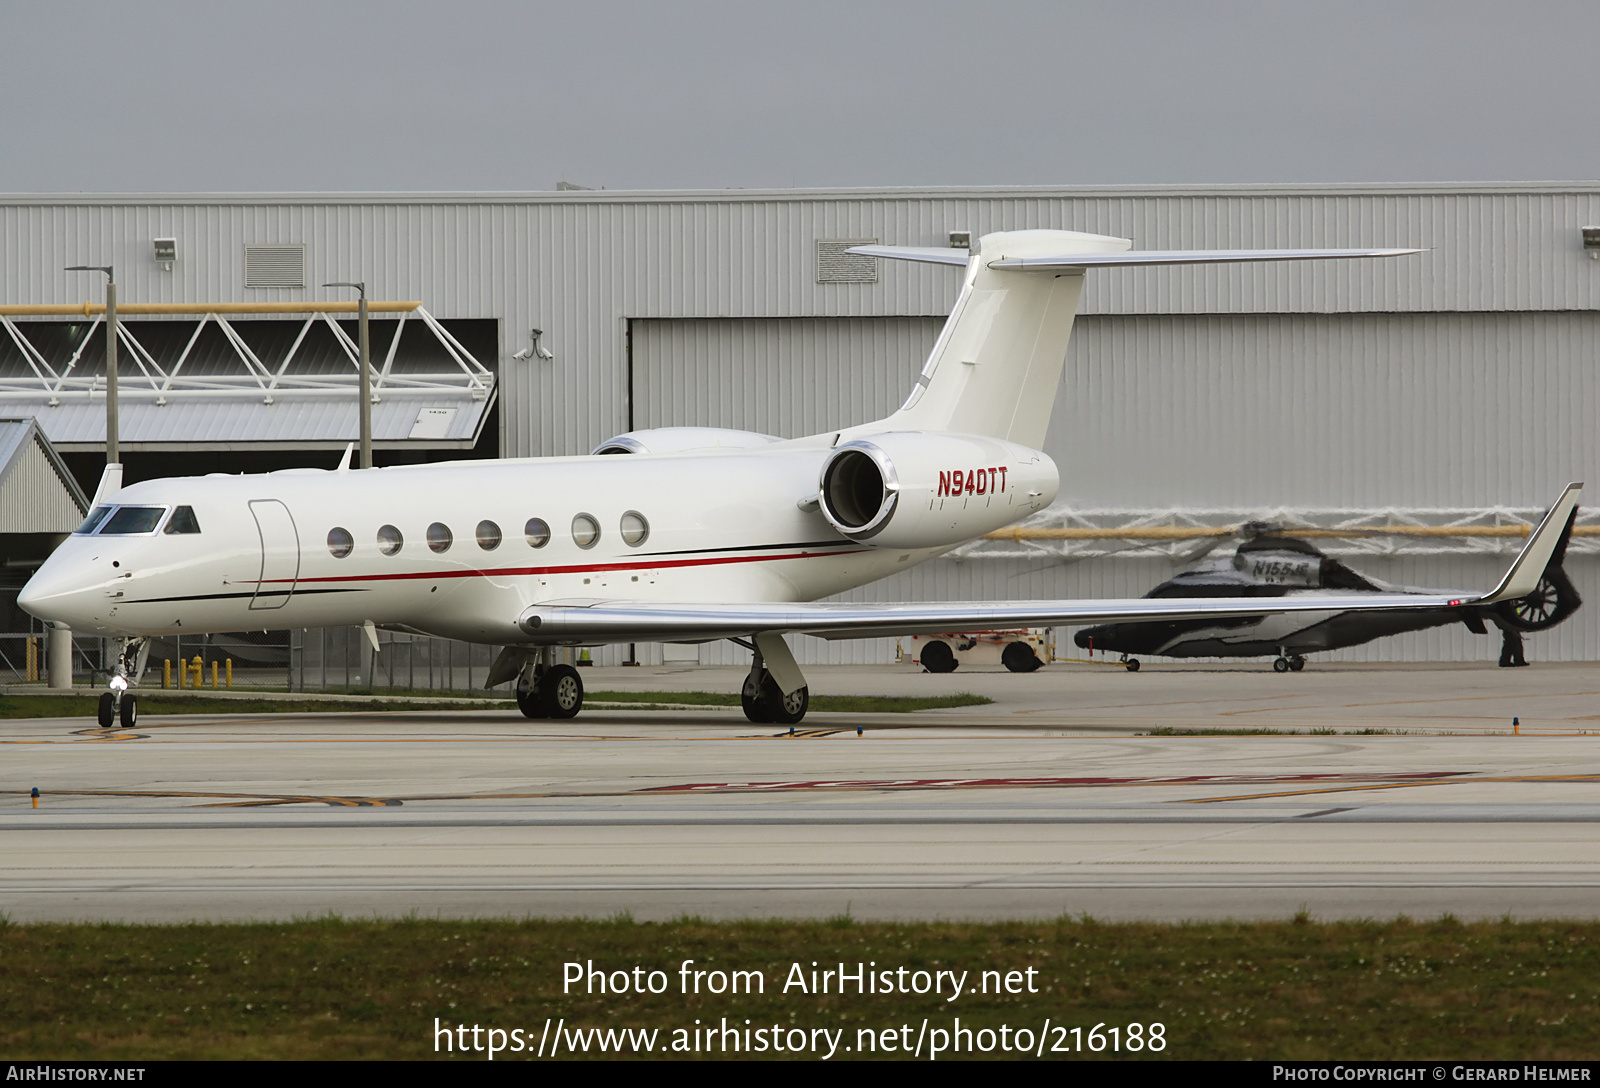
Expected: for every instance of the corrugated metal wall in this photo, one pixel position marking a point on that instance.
(1406, 410)
(579, 264)
(783, 376)
(33, 498)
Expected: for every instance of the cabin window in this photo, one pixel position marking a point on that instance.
(96, 516)
(538, 532)
(488, 535)
(585, 531)
(635, 529)
(182, 521)
(440, 537)
(390, 540)
(340, 542)
(131, 520)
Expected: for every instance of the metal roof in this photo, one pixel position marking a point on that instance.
(37, 493)
(436, 419)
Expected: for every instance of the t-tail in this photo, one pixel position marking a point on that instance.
(996, 364)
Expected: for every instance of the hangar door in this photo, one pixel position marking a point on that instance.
(784, 376)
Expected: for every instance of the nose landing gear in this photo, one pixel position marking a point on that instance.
(119, 703)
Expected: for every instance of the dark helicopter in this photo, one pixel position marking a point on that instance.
(1269, 564)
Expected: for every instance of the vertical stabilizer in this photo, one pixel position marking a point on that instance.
(110, 484)
(995, 367)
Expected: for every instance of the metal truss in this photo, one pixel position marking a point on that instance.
(1186, 535)
(153, 380)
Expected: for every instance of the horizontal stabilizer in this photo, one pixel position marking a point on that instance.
(1070, 261)
(929, 255)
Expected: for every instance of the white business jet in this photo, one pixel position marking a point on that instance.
(672, 535)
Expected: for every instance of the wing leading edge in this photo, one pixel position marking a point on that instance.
(1077, 262)
(620, 621)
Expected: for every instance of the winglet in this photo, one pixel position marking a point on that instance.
(1528, 567)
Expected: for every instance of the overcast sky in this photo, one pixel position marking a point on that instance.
(161, 96)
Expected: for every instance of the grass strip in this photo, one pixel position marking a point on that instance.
(344, 989)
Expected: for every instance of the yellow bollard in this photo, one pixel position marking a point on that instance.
(166, 673)
(213, 676)
(230, 672)
(32, 661)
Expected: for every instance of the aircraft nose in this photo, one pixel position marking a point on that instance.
(53, 594)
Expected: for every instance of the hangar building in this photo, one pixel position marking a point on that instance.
(1451, 388)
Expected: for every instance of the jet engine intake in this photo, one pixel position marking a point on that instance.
(914, 489)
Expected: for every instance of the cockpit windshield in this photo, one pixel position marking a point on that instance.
(92, 522)
(122, 520)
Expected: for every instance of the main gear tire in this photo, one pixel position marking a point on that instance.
(784, 709)
(530, 704)
(130, 711)
(108, 710)
(755, 706)
(561, 691)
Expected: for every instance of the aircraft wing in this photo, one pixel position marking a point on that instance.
(646, 621)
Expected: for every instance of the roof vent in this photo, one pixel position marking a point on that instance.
(275, 266)
(834, 265)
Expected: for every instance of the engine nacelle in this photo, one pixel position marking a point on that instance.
(916, 489)
(684, 440)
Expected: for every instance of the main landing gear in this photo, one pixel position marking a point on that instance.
(546, 690)
(773, 668)
(119, 703)
(1287, 662)
(774, 692)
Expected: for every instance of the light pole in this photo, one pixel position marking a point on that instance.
(366, 373)
(113, 456)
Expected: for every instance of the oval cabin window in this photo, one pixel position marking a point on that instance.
(585, 531)
(635, 529)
